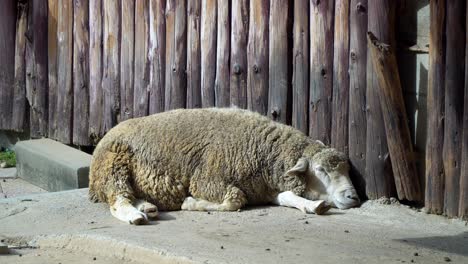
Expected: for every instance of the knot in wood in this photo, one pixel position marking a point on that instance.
(174, 69)
(316, 2)
(255, 68)
(237, 69)
(360, 8)
(353, 55)
(323, 72)
(275, 112)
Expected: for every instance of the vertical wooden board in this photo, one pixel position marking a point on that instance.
(454, 89)
(19, 93)
(96, 130)
(81, 73)
(193, 54)
(463, 205)
(435, 179)
(321, 69)
(52, 65)
(111, 66)
(357, 94)
(379, 179)
(7, 58)
(257, 57)
(157, 51)
(340, 100)
(301, 66)
(127, 51)
(278, 61)
(239, 34)
(222, 54)
(208, 52)
(39, 89)
(141, 97)
(176, 54)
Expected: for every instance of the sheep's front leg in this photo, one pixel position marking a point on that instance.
(124, 210)
(290, 199)
(234, 199)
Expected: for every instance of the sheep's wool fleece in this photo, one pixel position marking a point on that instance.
(204, 153)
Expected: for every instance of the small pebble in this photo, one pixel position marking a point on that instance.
(287, 240)
(20, 255)
(306, 222)
(447, 259)
(4, 180)
(346, 231)
(412, 260)
(416, 254)
(208, 212)
(222, 247)
(94, 258)
(267, 249)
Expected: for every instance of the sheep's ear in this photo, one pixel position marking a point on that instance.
(301, 166)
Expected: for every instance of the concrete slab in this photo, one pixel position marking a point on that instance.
(374, 233)
(7, 173)
(18, 187)
(51, 165)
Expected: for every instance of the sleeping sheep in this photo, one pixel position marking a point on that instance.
(214, 160)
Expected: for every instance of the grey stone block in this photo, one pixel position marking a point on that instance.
(51, 165)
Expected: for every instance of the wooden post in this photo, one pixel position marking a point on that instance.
(435, 180)
(52, 18)
(463, 206)
(379, 179)
(157, 55)
(127, 58)
(81, 73)
(96, 129)
(142, 70)
(239, 34)
(111, 66)
(208, 52)
(395, 120)
(19, 92)
(454, 83)
(340, 101)
(301, 66)
(194, 54)
(257, 57)
(357, 94)
(222, 54)
(321, 69)
(278, 61)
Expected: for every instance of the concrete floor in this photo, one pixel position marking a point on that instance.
(12, 186)
(374, 233)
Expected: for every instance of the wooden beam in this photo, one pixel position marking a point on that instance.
(208, 52)
(157, 55)
(142, 63)
(222, 54)
(127, 58)
(194, 54)
(52, 45)
(463, 206)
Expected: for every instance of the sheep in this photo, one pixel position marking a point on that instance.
(214, 159)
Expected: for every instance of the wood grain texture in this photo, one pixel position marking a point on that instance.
(279, 85)
(96, 129)
(257, 57)
(81, 73)
(301, 60)
(379, 179)
(321, 69)
(142, 63)
(176, 54)
(239, 34)
(435, 178)
(223, 44)
(463, 203)
(340, 100)
(454, 89)
(19, 119)
(52, 44)
(127, 59)
(193, 54)
(357, 94)
(208, 52)
(156, 55)
(111, 64)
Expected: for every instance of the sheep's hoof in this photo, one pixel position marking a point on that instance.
(149, 209)
(322, 208)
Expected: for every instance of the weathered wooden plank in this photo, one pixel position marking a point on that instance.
(379, 179)
(38, 83)
(96, 123)
(463, 205)
(395, 120)
(193, 54)
(81, 73)
(157, 55)
(454, 88)
(142, 69)
(257, 57)
(279, 84)
(321, 69)
(223, 46)
(19, 94)
(111, 66)
(357, 94)
(176, 54)
(239, 34)
(340, 100)
(435, 179)
(7, 58)
(208, 52)
(52, 42)
(127, 59)
(301, 66)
